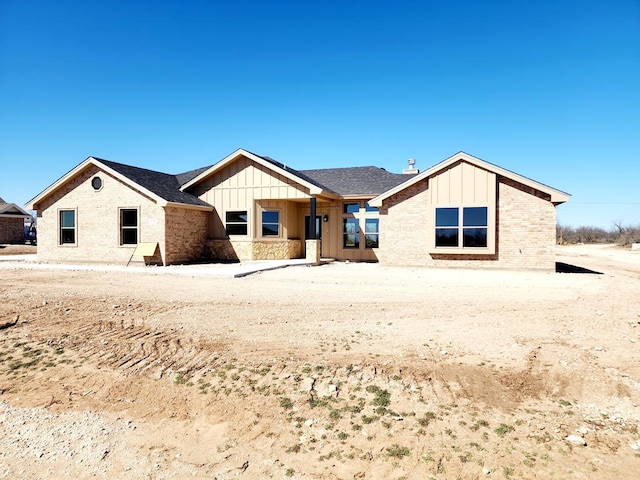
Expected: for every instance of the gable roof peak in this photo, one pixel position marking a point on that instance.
(268, 162)
(556, 196)
(162, 187)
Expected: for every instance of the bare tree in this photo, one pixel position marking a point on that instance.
(617, 226)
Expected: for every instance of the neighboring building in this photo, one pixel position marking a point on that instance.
(12, 219)
(463, 211)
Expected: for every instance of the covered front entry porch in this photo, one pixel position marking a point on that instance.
(274, 230)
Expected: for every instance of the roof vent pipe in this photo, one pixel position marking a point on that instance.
(411, 170)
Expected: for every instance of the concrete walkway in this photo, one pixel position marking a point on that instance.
(219, 270)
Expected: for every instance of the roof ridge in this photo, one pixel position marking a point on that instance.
(344, 168)
(104, 160)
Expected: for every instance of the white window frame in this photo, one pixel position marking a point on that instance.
(490, 249)
(122, 228)
(376, 233)
(278, 224)
(365, 212)
(74, 228)
(245, 223)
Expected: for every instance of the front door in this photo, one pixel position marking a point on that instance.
(318, 230)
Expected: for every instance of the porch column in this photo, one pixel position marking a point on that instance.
(312, 218)
(312, 245)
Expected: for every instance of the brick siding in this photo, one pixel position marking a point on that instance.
(404, 232)
(11, 230)
(186, 231)
(525, 230)
(97, 221)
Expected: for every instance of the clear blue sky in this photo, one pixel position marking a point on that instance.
(549, 89)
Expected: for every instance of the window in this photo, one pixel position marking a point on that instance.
(128, 226)
(469, 224)
(67, 227)
(447, 227)
(371, 233)
(360, 219)
(474, 222)
(236, 223)
(350, 233)
(96, 183)
(351, 207)
(270, 223)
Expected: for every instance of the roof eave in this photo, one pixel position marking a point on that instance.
(313, 189)
(33, 203)
(189, 206)
(358, 195)
(556, 196)
(21, 212)
(318, 192)
(20, 215)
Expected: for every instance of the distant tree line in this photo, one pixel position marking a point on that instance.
(618, 234)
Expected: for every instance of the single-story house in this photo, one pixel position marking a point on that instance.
(461, 212)
(12, 218)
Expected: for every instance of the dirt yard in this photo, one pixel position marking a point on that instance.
(344, 371)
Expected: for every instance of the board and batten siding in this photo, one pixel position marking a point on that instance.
(463, 184)
(239, 185)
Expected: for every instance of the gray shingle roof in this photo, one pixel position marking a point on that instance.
(356, 180)
(191, 174)
(297, 173)
(347, 180)
(165, 185)
(342, 181)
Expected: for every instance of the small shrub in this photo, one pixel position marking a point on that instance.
(335, 415)
(317, 402)
(180, 378)
(382, 397)
(426, 419)
(503, 429)
(466, 457)
(397, 451)
(286, 403)
(367, 420)
(294, 448)
(480, 423)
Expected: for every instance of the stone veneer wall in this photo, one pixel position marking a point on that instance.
(97, 221)
(11, 230)
(237, 250)
(525, 232)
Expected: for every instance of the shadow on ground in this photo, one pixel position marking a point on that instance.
(567, 268)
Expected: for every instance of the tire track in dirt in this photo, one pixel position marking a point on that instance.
(137, 349)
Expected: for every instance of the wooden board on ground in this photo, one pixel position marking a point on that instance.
(147, 249)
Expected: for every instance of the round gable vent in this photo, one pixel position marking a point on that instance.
(96, 183)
